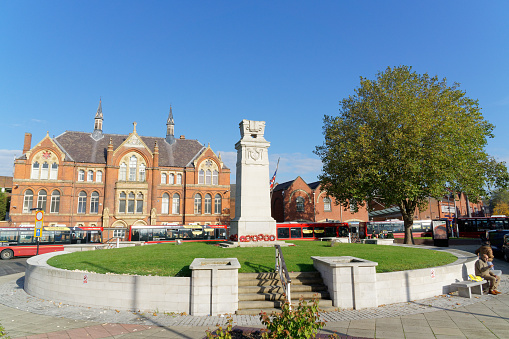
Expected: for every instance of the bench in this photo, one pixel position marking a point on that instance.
(465, 287)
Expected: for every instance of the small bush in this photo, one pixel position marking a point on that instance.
(221, 333)
(3, 334)
(298, 323)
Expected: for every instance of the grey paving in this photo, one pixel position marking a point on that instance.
(445, 316)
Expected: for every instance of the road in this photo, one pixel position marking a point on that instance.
(12, 266)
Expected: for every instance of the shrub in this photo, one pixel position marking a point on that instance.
(297, 323)
(221, 333)
(3, 334)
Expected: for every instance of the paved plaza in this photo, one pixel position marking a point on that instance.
(445, 316)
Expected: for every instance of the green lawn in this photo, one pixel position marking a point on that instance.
(172, 260)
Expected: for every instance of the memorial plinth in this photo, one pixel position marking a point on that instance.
(252, 208)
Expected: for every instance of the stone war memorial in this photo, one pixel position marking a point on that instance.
(253, 224)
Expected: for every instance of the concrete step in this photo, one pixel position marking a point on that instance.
(258, 305)
(280, 297)
(275, 275)
(255, 311)
(279, 289)
(277, 282)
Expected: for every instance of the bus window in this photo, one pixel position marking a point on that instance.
(185, 234)
(172, 234)
(319, 232)
(26, 237)
(330, 231)
(8, 236)
(62, 237)
(295, 232)
(343, 232)
(146, 234)
(135, 236)
(307, 232)
(95, 237)
(197, 234)
(78, 237)
(159, 234)
(283, 233)
(47, 238)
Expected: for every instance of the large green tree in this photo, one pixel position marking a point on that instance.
(404, 137)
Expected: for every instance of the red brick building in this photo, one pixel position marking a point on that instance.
(116, 181)
(451, 206)
(298, 201)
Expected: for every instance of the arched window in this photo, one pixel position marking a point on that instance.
(45, 171)
(55, 202)
(133, 163)
(217, 204)
(41, 200)
(171, 178)
(179, 179)
(208, 204)
(130, 202)
(123, 172)
(94, 203)
(208, 177)
(215, 180)
(99, 176)
(81, 175)
(139, 203)
(54, 171)
(165, 204)
(175, 208)
(300, 204)
(201, 177)
(163, 178)
(82, 202)
(197, 203)
(122, 202)
(35, 171)
(326, 204)
(28, 201)
(90, 175)
(142, 172)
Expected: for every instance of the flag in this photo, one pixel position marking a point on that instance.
(273, 180)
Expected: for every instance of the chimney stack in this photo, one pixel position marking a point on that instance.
(28, 142)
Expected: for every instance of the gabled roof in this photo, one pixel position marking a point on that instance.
(314, 185)
(81, 147)
(284, 185)
(287, 184)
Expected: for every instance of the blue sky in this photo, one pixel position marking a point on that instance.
(217, 62)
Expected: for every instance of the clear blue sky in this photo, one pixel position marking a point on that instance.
(217, 62)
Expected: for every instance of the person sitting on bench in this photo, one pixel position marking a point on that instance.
(482, 269)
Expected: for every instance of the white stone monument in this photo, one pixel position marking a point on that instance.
(252, 196)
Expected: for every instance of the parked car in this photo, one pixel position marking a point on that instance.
(496, 238)
(505, 247)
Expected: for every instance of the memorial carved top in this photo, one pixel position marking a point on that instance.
(252, 130)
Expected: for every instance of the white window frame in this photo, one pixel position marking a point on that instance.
(165, 203)
(81, 175)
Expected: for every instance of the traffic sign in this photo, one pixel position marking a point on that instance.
(39, 216)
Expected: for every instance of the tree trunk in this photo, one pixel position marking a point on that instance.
(407, 209)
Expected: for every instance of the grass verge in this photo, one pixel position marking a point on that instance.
(172, 260)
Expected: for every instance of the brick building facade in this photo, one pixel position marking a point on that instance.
(450, 206)
(298, 201)
(116, 181)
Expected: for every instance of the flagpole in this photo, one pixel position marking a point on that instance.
(273, 180)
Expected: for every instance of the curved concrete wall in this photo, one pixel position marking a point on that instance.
(403, 286)
(174, 294)
(126, 292)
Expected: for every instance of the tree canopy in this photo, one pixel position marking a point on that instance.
(404, 137)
